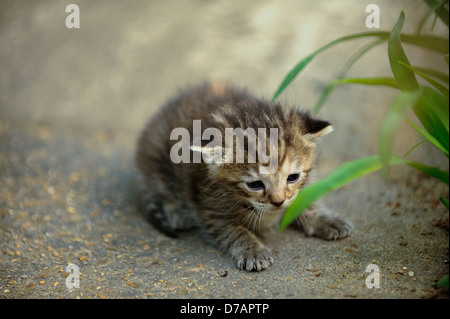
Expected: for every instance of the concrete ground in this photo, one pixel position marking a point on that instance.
(73, 101)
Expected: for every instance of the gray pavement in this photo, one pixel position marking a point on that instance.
(73, 101)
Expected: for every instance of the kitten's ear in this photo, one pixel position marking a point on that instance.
(316, 128)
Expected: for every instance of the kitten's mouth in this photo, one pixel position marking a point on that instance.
(274, 209)
(266, 210)
(277, 209)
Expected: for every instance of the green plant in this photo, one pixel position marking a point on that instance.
(430, 104)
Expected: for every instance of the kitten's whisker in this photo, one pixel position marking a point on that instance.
(238, 203)
(241, 210)
(303, 220)
(248, 218)
(259, 225)
(255, 215)
(255, 222)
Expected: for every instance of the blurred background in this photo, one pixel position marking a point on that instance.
(128, 57)
(73, 101)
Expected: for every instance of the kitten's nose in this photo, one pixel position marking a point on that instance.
(277, 204)
(276, 199)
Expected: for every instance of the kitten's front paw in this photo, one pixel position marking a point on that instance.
(255, 259)
(329, 228)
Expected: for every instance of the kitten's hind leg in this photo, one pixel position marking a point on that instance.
(318, 222)
(152, 209)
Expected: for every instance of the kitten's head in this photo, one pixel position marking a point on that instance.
(265, 183)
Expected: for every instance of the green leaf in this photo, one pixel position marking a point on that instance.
(341, 176)
(345, 174)
(444, 201)
(352, 60)
(428, 136)
(432, 42)
(323, 97)
(414, 147)
(438, 174)
(305, 61)
(432, 110)
(293, 73)
(403, 102)
(434, 7)
(442, 12)
(404, 76)
(434, 83)
(443, 282)
(357, 55)
(386, 81)
(433, 73)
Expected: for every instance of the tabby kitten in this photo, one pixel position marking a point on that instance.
(233, 204)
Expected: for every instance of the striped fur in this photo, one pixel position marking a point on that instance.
(218, 198)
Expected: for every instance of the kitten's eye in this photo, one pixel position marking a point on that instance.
(293, 178)
(256, 185)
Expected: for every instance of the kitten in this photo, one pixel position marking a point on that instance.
(233, 204)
